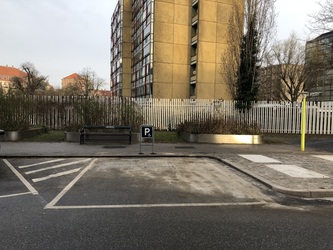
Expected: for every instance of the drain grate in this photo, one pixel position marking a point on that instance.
(185, 147)
(114, 146)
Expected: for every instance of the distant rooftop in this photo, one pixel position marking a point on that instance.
(72, 76)
(323, 36)
(10, 71)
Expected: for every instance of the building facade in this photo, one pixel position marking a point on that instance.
(170, 49)
(281, 82)
(269, 81)
(6, 73)
(70, 80)
(319, 61)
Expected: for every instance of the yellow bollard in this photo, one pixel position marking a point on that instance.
(303, 126)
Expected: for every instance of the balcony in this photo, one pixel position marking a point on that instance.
(194, 59)
(194, 39)
(195, 19)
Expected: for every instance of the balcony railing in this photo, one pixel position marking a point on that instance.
(195, 19)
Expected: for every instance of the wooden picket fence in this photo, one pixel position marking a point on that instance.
(62, 112)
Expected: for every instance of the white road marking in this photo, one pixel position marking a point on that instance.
(56, 166)
(325, 157)
(24, 181)
(40, 163)
(70, 185)
(56, 175)
(260, 159)
(13, 195)
(49, 206)
(296, 171)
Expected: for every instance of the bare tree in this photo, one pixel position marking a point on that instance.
(322, 20)
(231, 59)
(31, 81)
(262, 13)
(86, 84)
(259, 15)
(288, 58)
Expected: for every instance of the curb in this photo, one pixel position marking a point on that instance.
(302, 193)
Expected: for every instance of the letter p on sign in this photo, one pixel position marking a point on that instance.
(147, 131)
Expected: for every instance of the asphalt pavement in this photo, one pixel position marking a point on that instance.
(281, 167)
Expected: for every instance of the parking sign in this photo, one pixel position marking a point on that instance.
(146, 131)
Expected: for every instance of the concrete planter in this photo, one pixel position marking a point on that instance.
(222, 139)
(72, 136)
(19, 135)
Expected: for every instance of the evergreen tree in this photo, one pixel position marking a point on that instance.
(247, 85)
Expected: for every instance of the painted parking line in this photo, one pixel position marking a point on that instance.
(70, 185)
(259, 158)
(325, 157)
(218, 204)
(56, 166)
(22, 179)
(40, 163)
(14, 195)
(56, 175)
(296, 171)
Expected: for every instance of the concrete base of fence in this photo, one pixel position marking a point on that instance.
(19, 135)
(222, 139)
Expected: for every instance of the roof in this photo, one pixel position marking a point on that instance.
(72, 76)
(322, 36)
(10, 71)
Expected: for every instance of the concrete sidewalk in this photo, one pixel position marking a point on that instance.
(281, 167)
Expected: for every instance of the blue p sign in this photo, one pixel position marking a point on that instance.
(146, 131)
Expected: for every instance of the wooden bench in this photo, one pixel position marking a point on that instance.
(98, 133)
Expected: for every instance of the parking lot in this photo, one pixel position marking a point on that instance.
(130, 182)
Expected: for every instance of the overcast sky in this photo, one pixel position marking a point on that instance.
(61, 37)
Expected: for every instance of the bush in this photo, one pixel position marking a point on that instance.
(90, 110)
(93, 112)
(14, 113)
(218, 126)
(128, 114)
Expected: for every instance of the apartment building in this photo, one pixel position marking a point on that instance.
(281, 82)
(6, 73)
(70, 80)
(170, 49)
(319, 61)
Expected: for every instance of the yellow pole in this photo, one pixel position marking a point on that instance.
(303, 127)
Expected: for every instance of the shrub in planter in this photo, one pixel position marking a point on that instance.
(219, 126)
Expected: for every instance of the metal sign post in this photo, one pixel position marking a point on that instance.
(2, 132)
(146, 133)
